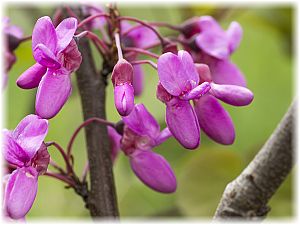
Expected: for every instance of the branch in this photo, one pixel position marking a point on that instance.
(247, 196)
(102, 199)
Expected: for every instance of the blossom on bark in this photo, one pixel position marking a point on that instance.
(57, 56)
(141, 134)
(24, 149)
(179, 83)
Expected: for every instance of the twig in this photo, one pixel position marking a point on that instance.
(247, 196)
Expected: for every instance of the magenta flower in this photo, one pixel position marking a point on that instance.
(179, 83)
(122, 76)
(140, 37)
(141, 134)
(214, 47)
(214, 120)
(57, 56)
(12, 37)
(114, 142)
(24, 148)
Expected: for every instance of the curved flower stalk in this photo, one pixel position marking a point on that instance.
(179, 83)
(24, 149)
(213, 46)
(57, 56)
(12, 38)
(140, 135)
(214, 120)
(140, 37)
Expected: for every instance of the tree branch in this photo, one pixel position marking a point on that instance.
(102, 199)
(247, 196)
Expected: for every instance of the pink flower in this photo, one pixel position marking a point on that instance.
(24, 148)
(57, 56)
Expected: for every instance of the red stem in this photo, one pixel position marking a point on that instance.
(90, 18)
(141, 51)
(162, 40)
(85, 123)
(137, 62)
(60, 177)
(64, 155)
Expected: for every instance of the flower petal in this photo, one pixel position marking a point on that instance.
(232, 94)
(45, 57)
(153, 170)
(124, 98)
(234, 34)
(30, 133)
(225, 72)
(208, 23)
(214, 120)
(214, 44)
(163, 136)
(183, 124)
(114, 141)
(53, 92)
(198, 91)
(177, 74)
(44, 33)
(65, 32)
(31, 77)
(20, 192)
(12, 151)
(142, 122)
(142, 37)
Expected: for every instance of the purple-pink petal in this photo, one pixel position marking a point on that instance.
(53, 92)
(153, 170)
(31, 77)
(196, 92)
(234, 34)
(163, 136)
(44, 33)
(65, 32)
(208, 23)
(177, 74)
(114, 142)
(142, 122)
(45, 57)
(124, 99)
(232, 94)
(20, 192)
(183, 124)
(214, 120)
(214, 44)
(30, 133)
(225, 72)
(12, 151)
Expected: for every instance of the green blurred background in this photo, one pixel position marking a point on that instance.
(266, 58)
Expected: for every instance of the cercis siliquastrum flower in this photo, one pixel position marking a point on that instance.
(24, 149)
(57, 56)
(211, 45)
(140, 135)
(12, 38)
(180, 83)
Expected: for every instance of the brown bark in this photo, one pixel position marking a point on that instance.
(247, 196)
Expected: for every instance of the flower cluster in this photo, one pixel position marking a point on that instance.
(191, 83)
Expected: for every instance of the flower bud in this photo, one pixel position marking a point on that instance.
(124, 98)
(122, 73)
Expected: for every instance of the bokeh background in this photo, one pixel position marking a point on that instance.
(265, 56)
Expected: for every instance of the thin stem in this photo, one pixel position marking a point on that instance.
(141, 51)
(118, 45)
(60, 177)
(162, 40)
(149, 62)
(64, 155)
(97, 40)
(157, 24)
(25, 39)
(85, 123)
(56, 166)
(90, 18)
